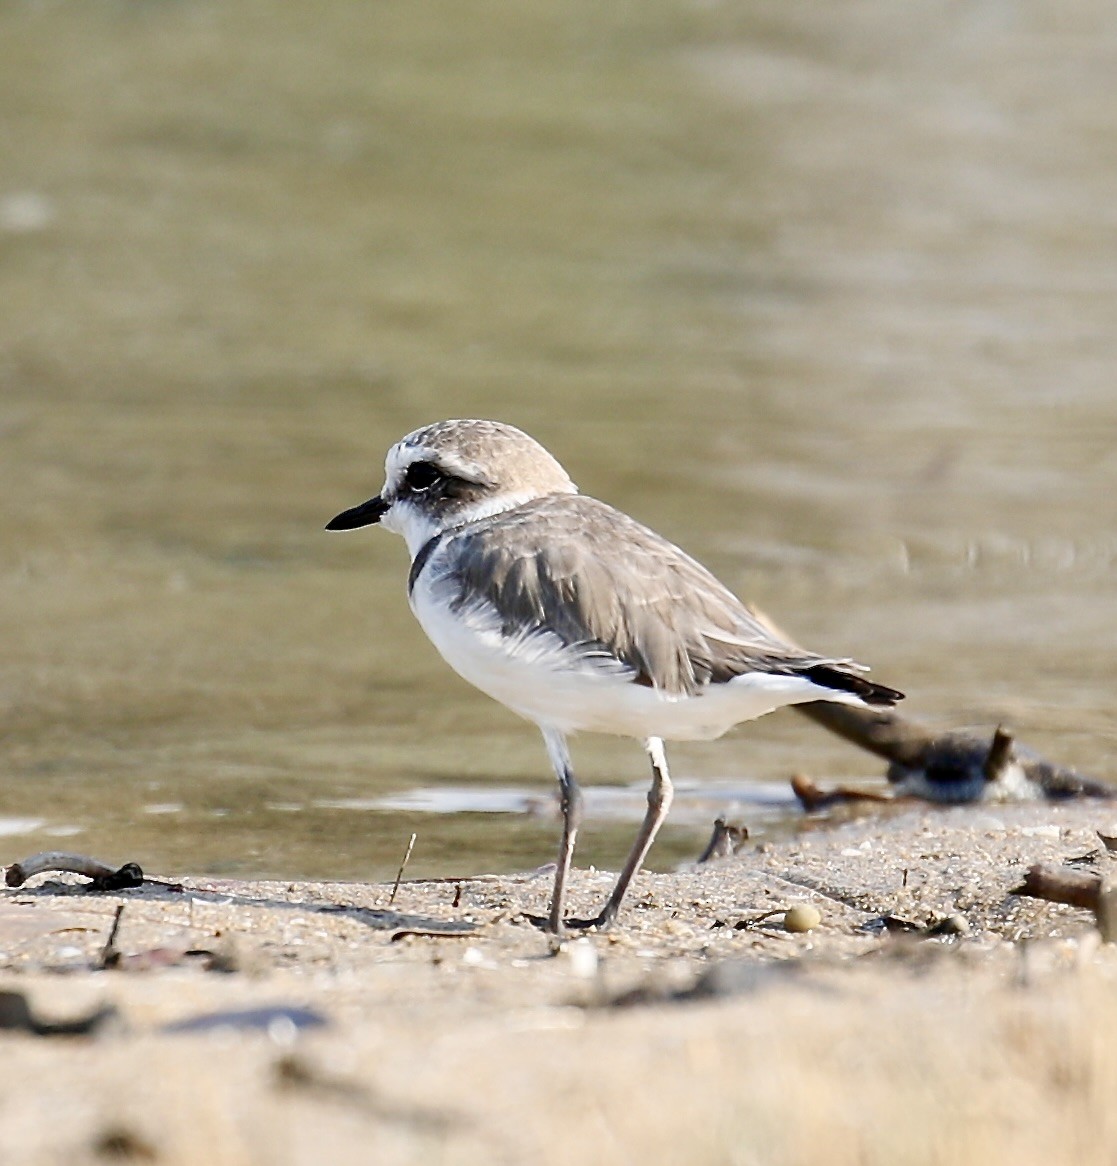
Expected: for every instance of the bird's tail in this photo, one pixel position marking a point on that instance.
(832, 676)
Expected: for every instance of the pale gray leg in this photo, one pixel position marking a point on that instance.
(659, 802)
(571, 799)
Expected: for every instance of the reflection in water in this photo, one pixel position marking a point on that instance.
(827, 296)
(696, 804)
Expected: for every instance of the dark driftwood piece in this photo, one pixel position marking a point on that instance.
(1058, 884)
(885, 734)
(1078, 888)
(952, 766)
(105, 877)
(16, 1014)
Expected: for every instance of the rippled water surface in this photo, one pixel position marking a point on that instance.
(826, 294)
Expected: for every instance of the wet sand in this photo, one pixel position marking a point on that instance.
(683, 1037)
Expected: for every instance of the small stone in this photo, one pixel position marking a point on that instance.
(582, 957)
(801, 917)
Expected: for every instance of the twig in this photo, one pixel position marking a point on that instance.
(110, 954)
(725, 841)
(756, 920)
(402, 865)
(814, 797)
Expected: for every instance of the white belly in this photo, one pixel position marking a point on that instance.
(544, 681)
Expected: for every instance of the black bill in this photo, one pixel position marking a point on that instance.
(364, 515)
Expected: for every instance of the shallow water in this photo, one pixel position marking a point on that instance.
(829, 297)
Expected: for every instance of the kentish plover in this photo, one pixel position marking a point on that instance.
(577, 617)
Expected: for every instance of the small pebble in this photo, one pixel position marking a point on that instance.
(582, 957)
(801, 917)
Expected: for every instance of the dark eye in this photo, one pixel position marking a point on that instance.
(421, 475)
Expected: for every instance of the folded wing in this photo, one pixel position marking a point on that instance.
(606, 586)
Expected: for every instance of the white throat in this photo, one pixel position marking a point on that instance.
(411, 521)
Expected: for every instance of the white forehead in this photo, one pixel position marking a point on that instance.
(405, 453)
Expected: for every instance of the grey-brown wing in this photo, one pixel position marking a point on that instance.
(606, 585)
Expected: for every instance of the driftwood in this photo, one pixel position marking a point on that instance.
(948, 767)
(1076, 888)
(952, 767)
(105, 877)
(1057, 884)
(16, 1014)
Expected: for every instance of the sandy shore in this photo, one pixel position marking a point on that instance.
(459, 1033)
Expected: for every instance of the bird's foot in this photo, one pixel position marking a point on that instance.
(602, 922)
(555, 927)
(561, 928)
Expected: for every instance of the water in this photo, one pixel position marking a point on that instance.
(826, 295)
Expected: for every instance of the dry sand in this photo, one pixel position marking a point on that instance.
(845, 1044)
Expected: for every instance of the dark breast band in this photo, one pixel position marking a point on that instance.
(420, 561)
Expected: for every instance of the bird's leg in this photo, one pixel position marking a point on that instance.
(659, 802)
(571, 797)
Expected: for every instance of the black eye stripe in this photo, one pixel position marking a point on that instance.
(422, 475)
